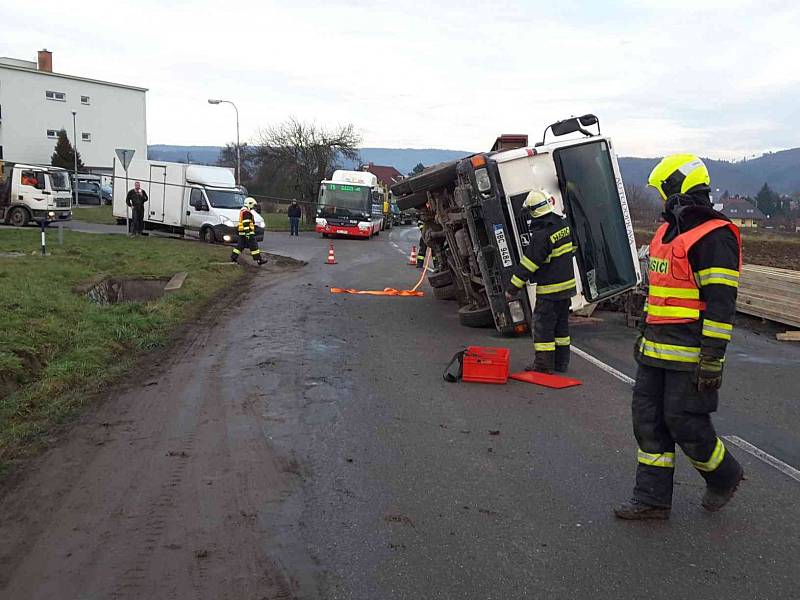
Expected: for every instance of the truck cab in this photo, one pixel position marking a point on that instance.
(475, 226)
(34, 193)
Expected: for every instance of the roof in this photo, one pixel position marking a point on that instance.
(388, 176)
(17, 67)
(739, 208)
(508, 141)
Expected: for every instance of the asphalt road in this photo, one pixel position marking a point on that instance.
(299, 444)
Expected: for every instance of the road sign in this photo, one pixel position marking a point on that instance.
(125, 157)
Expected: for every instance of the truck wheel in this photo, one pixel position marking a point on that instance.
(472, 316)
(207, 235)
(18, 217)
(445, 292)
(440, 279)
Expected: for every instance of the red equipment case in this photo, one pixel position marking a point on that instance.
(485, 364)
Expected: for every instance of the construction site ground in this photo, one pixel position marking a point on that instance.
(300, 444)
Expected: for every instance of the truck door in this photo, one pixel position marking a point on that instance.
(599, 225)
(157, 192)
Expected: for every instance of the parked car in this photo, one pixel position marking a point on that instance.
(108, 194)
(89, 189)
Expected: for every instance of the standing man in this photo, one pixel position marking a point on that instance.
(136, 199)
(247, 234)
(423, 247)
(695, 259)
(548, 263)
(294, 213)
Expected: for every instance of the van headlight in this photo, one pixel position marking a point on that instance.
(515, 308)
(482, 179)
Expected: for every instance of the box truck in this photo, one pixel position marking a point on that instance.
(192, 200)
(33, 193)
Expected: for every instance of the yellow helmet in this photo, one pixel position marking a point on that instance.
(677, 174)
(538, 202)
(250, 202)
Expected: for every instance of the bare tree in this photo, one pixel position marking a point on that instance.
(305, 154)
(645, 207)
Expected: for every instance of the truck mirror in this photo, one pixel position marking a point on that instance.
(566, 126)
(588, 120)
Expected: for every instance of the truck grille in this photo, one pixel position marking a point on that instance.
(62, 202)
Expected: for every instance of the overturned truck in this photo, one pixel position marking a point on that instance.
(472, 222)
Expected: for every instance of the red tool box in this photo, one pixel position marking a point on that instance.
(485, 364)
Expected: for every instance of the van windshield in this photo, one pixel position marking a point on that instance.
(59, 181)
(225, 198)
(594, 209)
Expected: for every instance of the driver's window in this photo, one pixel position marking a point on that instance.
(196, 199)
(32, 179)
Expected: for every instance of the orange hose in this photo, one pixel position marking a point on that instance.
(390, 291)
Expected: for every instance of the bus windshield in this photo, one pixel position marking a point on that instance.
(337, 198)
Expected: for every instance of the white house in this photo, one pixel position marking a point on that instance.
(36, 103)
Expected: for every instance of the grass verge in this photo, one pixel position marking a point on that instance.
(58, 349)
(280, 222)
(94, 214)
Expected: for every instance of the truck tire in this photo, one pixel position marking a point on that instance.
(445, 292)
(207, 235)
(472, 316)
(18, 217)
(440, 279)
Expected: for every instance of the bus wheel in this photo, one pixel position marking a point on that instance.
(18, 217)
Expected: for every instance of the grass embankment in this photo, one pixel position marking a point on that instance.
(280, 222)
(57, 348)
(94, 214)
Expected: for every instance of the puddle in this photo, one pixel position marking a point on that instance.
(111, 290)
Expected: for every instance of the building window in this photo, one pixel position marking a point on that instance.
(52, 134)
(60, 96)
(85, 100)
(86, 137)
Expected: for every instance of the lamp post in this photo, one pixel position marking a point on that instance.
(238, 157)
(75, 156)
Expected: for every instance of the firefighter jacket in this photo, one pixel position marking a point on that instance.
(695, 259)
(548, 259)
(247, 224)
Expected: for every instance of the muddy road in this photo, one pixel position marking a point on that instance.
(299, 444)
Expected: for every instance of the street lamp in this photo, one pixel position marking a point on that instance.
(238, 158)
(75, 156)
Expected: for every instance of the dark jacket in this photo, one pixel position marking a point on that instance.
(295, 211)
(136, 200)
(548, 259)
(718, 249)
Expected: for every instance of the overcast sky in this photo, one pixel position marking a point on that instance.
(720, 78)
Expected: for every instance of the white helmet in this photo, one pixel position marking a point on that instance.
(250, 202)
(538, 202)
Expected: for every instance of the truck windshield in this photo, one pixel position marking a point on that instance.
(59, 181)
(594, 208)
(225, 198)
(336, 198)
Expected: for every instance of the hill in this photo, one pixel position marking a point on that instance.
(780, 169)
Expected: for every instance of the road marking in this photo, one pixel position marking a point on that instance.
(764, 456)
(607, 368)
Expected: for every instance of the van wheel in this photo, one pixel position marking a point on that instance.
(208, 235)
(473, 316)
(18, 217)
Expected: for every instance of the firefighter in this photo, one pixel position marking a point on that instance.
(423, 247)
(695, 259)
(548, 263)
(247, 234)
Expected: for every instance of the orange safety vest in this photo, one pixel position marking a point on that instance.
(673, 295)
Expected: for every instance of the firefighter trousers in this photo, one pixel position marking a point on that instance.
(246, 241)
(551, 334)
(668, 410)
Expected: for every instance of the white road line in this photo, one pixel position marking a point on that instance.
(767, 458)
(607, 368)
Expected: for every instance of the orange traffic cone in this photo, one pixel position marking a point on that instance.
(412, 260)
(331, 258)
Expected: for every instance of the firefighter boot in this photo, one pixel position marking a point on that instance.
(713, 499)
(562, 359)
(636, 510)
(543, 362)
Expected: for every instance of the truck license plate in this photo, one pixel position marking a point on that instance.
(505, 255)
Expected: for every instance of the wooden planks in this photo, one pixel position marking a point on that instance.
(770, 293)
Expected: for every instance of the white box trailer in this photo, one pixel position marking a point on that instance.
(192, 200)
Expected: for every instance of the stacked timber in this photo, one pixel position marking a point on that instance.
(770, 293)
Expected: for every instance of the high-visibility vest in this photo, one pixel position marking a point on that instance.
(246, 224)
(674, 294)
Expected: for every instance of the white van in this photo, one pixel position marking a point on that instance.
(193, 200)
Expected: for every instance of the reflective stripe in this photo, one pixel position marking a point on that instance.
(717, 275)
(555, 287)
(517, 282)
(714, 461)
(237, 251)
(660, 291)
(254, 252)
(544, 346)
(665, 459)
(677, 312)
(528, 264)
(561, 250)
(717, 329)
(671, 352)
(563, 341)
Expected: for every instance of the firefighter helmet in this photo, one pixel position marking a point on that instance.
(538, 203)
(678, 174)
(250, 202)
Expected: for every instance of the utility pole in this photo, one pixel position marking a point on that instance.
(75, 155)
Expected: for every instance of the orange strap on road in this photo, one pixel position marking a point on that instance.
(390, 291)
